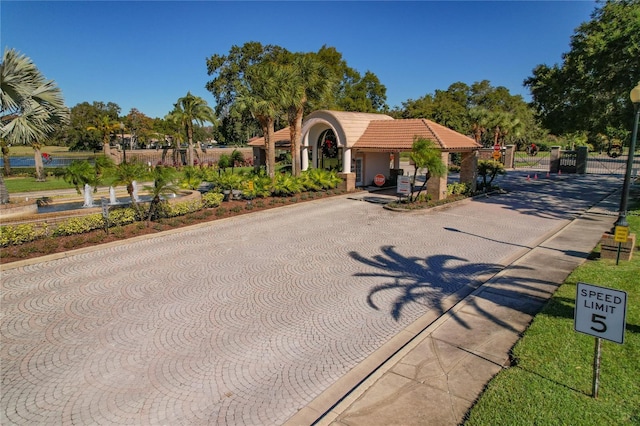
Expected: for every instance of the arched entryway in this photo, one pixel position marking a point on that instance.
(329, 152)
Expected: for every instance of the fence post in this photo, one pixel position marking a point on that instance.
(554, 160)
(581, 159)
(509, 156)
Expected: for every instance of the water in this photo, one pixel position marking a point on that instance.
(88, 196)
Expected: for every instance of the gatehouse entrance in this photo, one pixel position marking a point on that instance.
(329, 153)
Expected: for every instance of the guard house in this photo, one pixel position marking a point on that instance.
(362, 145)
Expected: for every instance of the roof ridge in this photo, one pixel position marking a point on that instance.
(438, 139)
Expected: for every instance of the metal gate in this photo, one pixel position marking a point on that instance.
(601, 163)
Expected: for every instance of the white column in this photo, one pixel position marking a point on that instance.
(314, 155)
(305, 152)
(346, 160)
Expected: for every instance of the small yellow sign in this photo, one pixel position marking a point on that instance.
(621, 234)
(496, 155)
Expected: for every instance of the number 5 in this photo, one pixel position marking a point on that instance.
(597, 319)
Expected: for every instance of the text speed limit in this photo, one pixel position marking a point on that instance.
(600, 312)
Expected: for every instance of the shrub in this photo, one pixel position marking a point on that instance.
(458, 188)
(78, 225)
(212, 199)
(20, 234)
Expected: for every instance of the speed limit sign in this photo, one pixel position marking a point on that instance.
(600, 312)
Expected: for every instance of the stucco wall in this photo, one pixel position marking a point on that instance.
(374, 163)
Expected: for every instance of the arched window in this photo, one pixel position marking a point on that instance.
(329, 153)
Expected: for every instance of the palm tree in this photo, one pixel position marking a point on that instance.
(164, 179)
(425, 155)
(307, 79)
(479, 118)
(31, 106)
(188, 109)
(264, 98)
(106, 126)
(125, 174)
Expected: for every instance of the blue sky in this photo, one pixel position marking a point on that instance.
(147, 54)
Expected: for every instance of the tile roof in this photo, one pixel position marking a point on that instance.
(281, 136)
(381, 132)
(399, 134)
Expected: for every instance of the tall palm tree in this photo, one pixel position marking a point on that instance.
(264, 98)
(106, 126)
(30, 105)
(188, 109)
(306, 79)
(479, 119)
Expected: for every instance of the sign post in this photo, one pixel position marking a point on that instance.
(600, 312)
(621, 234)
(105, 213)
(404, 186)
(496, 152)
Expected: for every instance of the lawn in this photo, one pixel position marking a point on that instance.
(551, 379)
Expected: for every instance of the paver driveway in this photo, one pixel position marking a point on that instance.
(245, 320)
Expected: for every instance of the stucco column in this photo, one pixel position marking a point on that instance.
(469, 168)
(346, 160)
(314, 156)
(437, 185)
(396, 160)
(304, 164)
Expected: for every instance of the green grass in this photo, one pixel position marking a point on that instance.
(29, 184)
(551, 382)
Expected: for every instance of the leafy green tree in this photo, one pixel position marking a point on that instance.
(188, 109)
(141, 126)
(31, 106)
(83, 116)
(351, 91)
(589, 90)
(425, 156)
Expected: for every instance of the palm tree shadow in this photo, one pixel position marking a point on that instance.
(430, 281)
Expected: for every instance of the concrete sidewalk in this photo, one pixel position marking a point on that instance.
(436, 377)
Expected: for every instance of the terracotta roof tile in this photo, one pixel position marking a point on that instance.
(282, 137)
(399, 134)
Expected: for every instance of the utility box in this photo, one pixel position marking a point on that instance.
(609, 247)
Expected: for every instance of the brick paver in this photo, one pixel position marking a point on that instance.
(246, 320)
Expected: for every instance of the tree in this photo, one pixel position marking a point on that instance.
(490, 169)
(263, 97)
(589, 90)
(351, 91)
(164, 179)
(188, 109)
(425, 155)
(306, 79)
(127, 173)
(105, 126)
(31, 106)
(84, 116)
